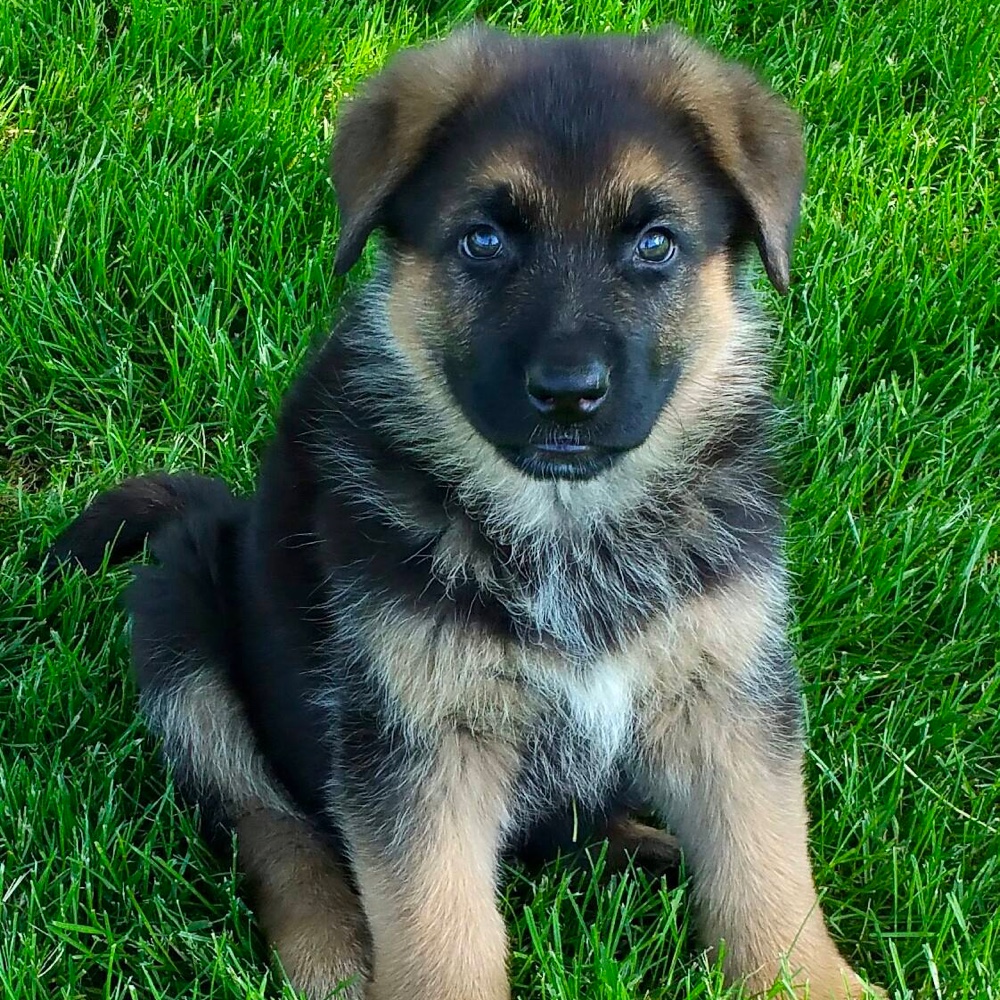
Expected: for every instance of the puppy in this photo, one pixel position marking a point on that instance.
(515, 555)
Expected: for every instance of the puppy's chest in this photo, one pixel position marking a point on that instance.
(574, 723)
(583, 725)
(433, 671)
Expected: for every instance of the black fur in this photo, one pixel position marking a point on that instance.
(116, 525)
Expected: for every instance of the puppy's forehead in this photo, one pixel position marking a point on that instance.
(605, 187)
(637, 169)
(576, 137)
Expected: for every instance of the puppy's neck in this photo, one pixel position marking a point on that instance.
(581, 565)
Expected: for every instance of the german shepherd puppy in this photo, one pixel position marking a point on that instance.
(515, 556)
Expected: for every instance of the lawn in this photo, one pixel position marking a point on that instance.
(168, 231)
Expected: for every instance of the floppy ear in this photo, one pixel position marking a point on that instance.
(751, 133)
(384, 131)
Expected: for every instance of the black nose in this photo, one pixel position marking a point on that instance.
(568, 392)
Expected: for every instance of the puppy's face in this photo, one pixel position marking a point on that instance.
(556, 240)
(559, 256)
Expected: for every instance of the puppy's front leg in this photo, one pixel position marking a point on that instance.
(737, 804)
(428, 878)
(724, 766)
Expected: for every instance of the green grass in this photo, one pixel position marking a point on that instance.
(167, 238)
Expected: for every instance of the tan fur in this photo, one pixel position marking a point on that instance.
(514, 168)
(634, 167)
(305, 905)
(736, 801)
(441, 672)
(637, 167)
(457, 559)
(713, 641)
(736, 623)
(406, 306)
(725, 354)
(204, 725)
(511, 167)
(696, 660)
(432, 910)
(746, 840)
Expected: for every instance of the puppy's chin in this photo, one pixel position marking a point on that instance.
(569, 462)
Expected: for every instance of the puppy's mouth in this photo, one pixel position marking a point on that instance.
(561, 456)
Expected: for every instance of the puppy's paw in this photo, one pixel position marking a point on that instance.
(841, 983)
(653, 850)
(329, 984)
(859, 989)
(847, 986)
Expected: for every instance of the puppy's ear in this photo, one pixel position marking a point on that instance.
(383, 132)
(750, 132)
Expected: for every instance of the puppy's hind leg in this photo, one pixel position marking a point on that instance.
(302, 896)
(306, 907)
(299, 888)
(615, 836)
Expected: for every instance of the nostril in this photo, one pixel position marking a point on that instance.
(570, 392)
(587, 404)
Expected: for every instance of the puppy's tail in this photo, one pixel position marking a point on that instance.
(123, 518)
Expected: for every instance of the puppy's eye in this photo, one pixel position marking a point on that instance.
(481, 243)
(655, 246)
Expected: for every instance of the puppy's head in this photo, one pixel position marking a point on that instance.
(562, 217)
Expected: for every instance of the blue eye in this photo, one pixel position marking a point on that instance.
(481, 243)
(656, 246)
